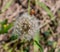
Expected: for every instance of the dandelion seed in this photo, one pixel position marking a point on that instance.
(26, 26)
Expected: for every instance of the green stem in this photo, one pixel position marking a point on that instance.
(28, 6)
(37, 45)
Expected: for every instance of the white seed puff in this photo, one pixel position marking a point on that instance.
(26, 26)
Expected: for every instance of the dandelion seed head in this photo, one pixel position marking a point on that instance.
(26, 26)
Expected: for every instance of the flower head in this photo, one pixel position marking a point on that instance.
(26, 26)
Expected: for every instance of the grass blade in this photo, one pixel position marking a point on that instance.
(41, 4)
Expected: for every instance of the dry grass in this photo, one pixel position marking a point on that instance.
(46, 11)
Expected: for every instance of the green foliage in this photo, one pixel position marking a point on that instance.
(59, 50)
(4, 22)
(13, 37)
(49, 43)
(5, 26)
(10, 50)
(51, 50)
(47, 33)
(53, 44)
(37, 45)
